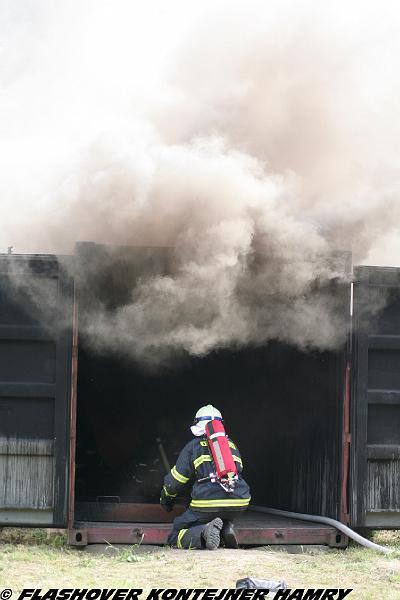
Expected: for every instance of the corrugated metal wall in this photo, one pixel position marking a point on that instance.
(35, 309)
(376, 399)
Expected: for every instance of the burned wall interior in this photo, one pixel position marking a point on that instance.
(282, 405)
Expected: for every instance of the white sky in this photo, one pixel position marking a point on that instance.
(72, 71)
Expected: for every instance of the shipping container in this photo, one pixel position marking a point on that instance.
(80, 427)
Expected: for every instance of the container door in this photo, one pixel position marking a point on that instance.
(35, 383)
(376, 398)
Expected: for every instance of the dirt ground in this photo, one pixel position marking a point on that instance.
(34, 560)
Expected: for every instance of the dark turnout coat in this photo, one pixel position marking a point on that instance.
(195, 462)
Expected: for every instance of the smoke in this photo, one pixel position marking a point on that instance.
(255, 141)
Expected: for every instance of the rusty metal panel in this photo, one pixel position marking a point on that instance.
(154, 533)
(35, 315)
(72, 413)
(376, 398)
(251, 529)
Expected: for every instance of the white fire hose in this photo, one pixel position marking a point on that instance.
(326, 521)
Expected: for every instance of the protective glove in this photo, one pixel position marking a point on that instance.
(167, 502)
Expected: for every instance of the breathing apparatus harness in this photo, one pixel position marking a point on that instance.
(225, 468)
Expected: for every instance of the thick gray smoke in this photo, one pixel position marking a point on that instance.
(264, 139)
(243, 269)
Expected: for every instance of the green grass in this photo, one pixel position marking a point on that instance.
(32, 558)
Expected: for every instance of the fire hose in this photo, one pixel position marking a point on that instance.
(326, 521)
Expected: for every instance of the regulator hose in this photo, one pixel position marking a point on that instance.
(327, 521)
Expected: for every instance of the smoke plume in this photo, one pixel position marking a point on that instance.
(256, 142)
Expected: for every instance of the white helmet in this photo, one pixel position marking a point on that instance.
(204, 415)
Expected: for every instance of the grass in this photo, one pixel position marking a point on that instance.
(34, 559)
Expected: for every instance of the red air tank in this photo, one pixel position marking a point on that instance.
(220, 450)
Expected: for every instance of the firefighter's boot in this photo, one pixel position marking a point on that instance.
(228, 535)
(212, 534)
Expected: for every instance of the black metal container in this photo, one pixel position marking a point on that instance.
(78, 427)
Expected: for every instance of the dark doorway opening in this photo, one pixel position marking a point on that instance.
(283, 407)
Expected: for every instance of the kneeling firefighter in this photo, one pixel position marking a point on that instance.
(212, 465)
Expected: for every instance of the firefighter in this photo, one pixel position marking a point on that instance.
(212, 509)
